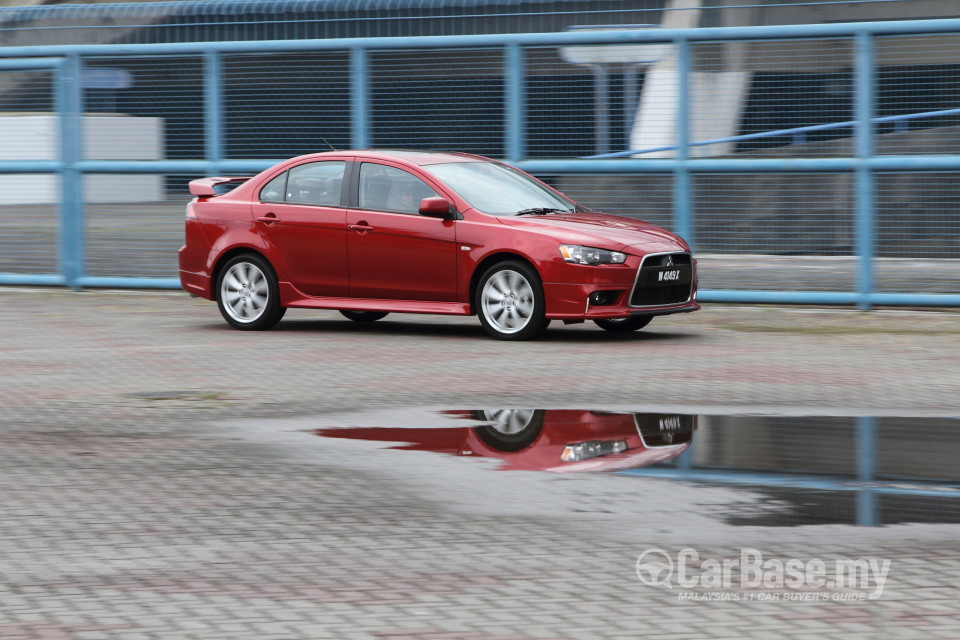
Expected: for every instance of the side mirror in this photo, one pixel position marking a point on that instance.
(436, 208)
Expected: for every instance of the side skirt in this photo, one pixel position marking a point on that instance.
(292, 298)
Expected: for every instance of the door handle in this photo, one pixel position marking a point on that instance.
(270, 219)
(362, 227)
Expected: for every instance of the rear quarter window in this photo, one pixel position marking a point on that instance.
(274, 190)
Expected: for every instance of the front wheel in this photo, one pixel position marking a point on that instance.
(623, 325)
(509, 430)
(248, 295)
(510, 303)
(363, 316)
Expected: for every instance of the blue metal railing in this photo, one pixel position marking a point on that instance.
(864, 165)
(776, 133)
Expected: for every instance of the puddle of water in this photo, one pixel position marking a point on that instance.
(811, 470)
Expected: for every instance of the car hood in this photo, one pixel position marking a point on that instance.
(609, 231)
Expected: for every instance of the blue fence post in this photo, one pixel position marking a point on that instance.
(681, 174)
(685, 460)
(515, 124)
(213, 114)
(359, 98)
(69, 104)
(866, 471)
(865, 215)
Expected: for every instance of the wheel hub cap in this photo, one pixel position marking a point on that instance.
(507, 301)
(244, 292)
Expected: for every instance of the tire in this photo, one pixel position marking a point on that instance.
(623, 325)
(509, 301)
(509, 429)
(247, 293)
(364, 316)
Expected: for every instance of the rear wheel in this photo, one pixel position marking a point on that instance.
(363, 316)
(623, 325)
(248, 295)
(510, 303)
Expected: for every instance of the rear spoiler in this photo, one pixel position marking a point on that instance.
(207, 187)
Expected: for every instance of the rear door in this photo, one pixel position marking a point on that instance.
(393, 251)
(301, 216)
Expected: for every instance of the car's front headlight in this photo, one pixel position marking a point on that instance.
(590, 255)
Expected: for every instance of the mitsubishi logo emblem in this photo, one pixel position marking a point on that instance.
(669, 262)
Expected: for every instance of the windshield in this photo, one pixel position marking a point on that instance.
(499, 190)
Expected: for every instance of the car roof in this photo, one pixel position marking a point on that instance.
(413, 156)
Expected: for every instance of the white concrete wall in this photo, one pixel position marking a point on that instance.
(715, 107)
(34, 136)
(716, 98)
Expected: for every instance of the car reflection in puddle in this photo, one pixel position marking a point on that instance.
(560, 440)
(804, 469)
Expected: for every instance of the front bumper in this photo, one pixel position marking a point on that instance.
(570, 300)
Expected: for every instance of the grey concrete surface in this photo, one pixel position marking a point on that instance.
(157, 479)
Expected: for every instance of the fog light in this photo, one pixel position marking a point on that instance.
(592, 449)
(602, 298)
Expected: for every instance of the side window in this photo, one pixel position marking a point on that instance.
(384, 188)
(316, 183)
(273, 191)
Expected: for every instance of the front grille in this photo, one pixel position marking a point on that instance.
(663, 279)
(664, 430)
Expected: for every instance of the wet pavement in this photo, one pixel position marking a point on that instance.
(165, 477)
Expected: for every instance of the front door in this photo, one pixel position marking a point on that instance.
(393, 252)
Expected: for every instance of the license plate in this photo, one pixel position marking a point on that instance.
(664, 430)
(667, 276)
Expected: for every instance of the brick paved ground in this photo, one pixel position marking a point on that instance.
(156, 481)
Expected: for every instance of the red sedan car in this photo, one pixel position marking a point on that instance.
(374, 232)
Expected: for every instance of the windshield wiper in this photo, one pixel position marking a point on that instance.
(540, 211)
